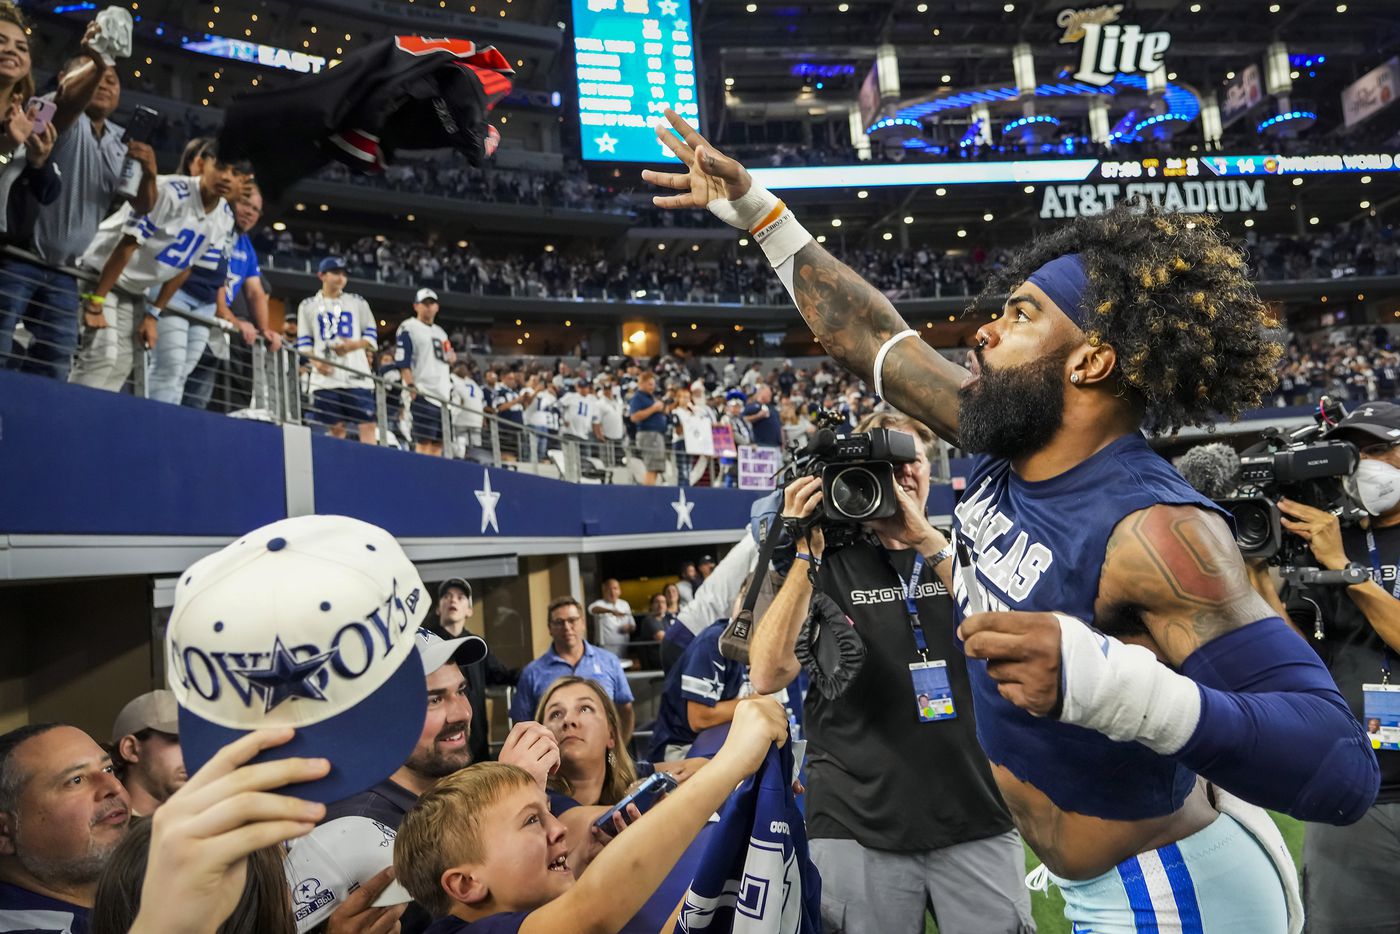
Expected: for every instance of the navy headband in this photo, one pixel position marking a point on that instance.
(1067, 283)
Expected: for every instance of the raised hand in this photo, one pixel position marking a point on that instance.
(710, 174)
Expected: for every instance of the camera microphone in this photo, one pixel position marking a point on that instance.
(1211, 469)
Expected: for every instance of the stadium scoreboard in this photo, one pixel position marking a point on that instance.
(632, 60)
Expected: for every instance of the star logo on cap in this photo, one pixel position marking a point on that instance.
(285, 677)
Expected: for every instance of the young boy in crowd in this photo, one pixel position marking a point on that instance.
(481, 850)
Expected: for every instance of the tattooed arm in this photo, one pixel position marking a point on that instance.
(849, 316)
(1177, 571)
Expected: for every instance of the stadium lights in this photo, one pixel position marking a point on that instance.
(743, 241)
(922, 8)
(1365, 179)
(1314, 220)
(862, 194)
(729, 82)
(1365, 205)
(842, 7)
(887, 235)
(1274, 8)
(692, 325)
(961, 232)
(910, 220)
(1341, 8)
(1229, 76)
(1009, 8)
(940, 191)
(947, 78)
(821, 238)
(462, 244)
(836, 222)
(752, 7)
(569, 324)
(1297, 182)
(661, 246)
(987, 216)
(1029, 189)
(549, 248)
(279, 226)
(1249, 222)
(1195, 8)
(695, 248)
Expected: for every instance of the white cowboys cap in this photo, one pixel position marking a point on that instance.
(335, 859)
(308, 623)
(436, 651)
(425, 295)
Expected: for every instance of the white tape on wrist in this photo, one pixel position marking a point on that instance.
(746, 211)
(880, 359)
(767, 218)
(1123, 691)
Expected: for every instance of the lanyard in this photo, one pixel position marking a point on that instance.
(1395, 593)
(910, 589)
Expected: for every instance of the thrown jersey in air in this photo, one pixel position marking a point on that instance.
(1039, 547)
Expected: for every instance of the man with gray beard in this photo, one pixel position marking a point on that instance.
(62, 813)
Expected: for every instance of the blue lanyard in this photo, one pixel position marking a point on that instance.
(1395, 593)
(910, 589)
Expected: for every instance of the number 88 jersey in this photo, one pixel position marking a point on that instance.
(177, 233)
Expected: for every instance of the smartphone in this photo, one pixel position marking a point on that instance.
(141, 125)
(644, 797)
(138, 130)
(44, 115)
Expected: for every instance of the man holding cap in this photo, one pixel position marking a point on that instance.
(338, 326)
(146, 750)
(454, 608)
(424, 357)
(1351, 875)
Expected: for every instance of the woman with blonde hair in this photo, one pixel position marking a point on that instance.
(594, 765)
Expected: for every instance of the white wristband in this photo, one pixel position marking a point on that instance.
(880, 359)
(1123, 691)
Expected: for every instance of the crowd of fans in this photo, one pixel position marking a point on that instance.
(1350, 365)
(1359, 248)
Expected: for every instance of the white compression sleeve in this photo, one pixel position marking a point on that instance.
(1123, 691)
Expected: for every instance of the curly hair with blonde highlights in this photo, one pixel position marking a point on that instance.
(1173, 298)
(24, 87)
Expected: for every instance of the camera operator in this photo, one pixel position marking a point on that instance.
(1351, 875)
(902, 811)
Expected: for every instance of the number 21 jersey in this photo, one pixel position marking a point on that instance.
(176, 232)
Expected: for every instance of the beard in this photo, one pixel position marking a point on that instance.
(70, 870)
(1010, 412)
(435, 764)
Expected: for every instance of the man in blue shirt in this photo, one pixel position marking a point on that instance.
(762, 415)
(648, 413)
(571, 654)
(62, 814)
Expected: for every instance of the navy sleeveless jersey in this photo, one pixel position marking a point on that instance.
(1039, 547)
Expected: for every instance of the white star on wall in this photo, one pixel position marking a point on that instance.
(488, 498)
(606, 143)
(683, 508)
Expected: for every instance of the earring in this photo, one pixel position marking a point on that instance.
(612, 760)
(1074, 377)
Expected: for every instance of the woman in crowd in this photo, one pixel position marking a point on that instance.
(265, 907)
(595, 767)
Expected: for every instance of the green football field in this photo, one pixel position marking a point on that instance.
(1049, 907)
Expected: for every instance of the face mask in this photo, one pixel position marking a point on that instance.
(1377, 486)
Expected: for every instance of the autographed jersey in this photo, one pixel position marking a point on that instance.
(177, 233)
(423, 349)
(1039, 547)
(323, 324)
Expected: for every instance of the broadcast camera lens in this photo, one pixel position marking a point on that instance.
(1253, 526)
(855, 492)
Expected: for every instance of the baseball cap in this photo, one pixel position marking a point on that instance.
(308, 622)
(331, 264)
(1380, 420)
(705, 559)
(435, 651)
(459, 582)
(334, 860)
(425, 295)
(154, 710)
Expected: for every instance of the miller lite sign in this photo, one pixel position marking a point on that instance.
(1110, 48)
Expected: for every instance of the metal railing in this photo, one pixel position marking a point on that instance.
(41, 331)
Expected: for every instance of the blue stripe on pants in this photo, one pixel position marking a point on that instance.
(1183, 890)
(1144, 915)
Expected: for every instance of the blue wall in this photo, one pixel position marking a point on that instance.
(79, 461)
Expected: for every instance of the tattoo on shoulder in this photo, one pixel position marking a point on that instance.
(1179, 567)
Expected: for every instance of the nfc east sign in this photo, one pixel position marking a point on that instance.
(1110, 48)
